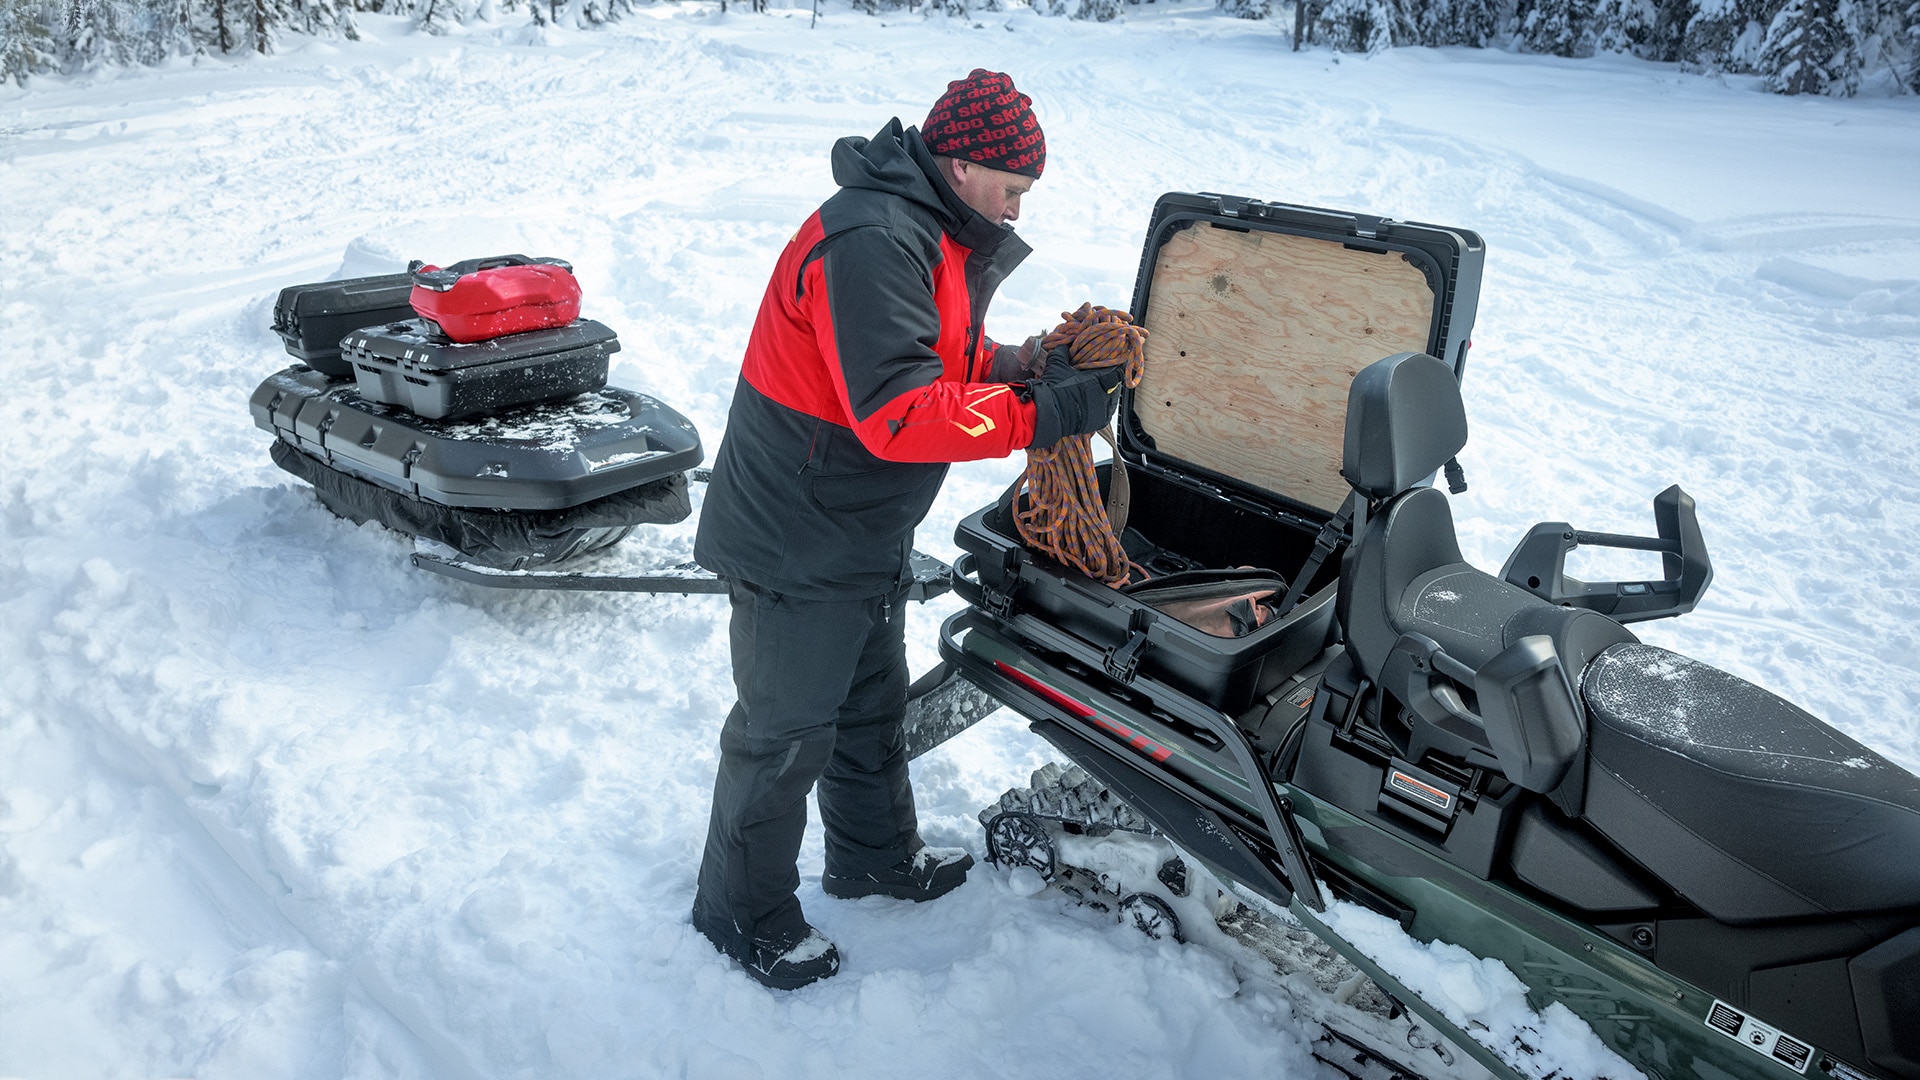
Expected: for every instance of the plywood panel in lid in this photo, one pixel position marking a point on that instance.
(1254, 339)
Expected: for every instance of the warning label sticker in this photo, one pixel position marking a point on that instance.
(1758, 1037)
(1423, 792)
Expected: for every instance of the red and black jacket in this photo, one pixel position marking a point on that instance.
(865, 375)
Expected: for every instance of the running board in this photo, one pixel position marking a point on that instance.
(941, 704)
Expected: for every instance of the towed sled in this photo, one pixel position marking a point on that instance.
(1718, 883)
(468, 407)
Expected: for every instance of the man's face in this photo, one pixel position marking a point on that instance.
(994, 194)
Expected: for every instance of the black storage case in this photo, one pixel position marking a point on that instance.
(541, 457)
(1259, 316)
(412, 365)
(312, 319)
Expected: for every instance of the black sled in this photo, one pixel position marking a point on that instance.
(510, 461)
(1718, 883)
(510, 454)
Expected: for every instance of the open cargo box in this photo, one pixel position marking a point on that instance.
(1259, 316)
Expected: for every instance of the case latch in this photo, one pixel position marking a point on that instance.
(1000, 601)
(1124, 660)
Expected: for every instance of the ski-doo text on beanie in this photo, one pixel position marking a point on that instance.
(983, 119)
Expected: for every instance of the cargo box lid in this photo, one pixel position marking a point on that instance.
(1260, 314)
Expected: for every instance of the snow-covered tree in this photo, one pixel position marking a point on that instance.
(1910, 30)
(1558, 27)
(1652, 29)
(1726, 35)
(1813, 47)
(1251, 9)
(1367, 26)
(1625, 26)
(28, 42)
(1474, 23)
(90, 32)
(1098, 10)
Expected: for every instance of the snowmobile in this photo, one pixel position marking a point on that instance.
(468, 407)
(1718, 883)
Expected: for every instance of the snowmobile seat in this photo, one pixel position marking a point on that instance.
(1744, 803)
(1404, 580)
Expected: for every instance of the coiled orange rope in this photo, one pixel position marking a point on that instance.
(1057, 507)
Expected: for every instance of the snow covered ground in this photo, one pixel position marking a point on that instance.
(273, 804)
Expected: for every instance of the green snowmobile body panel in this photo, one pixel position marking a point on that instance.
(1654, 1021)
(1658, 1023)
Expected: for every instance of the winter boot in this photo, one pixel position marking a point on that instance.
(786, 963)
(925, 874)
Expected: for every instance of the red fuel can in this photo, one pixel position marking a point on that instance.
(482, 299)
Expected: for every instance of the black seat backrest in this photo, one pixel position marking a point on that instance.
(1405, 419)
(1403, 579)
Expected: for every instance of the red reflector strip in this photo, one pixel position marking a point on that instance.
(1139, 742)
(1079, 710)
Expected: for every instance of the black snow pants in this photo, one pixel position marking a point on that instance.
(822, 695)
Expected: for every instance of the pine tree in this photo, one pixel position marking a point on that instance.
(1726, 35)
(120, 32)
(1253, 9)
(1813, 47)
(1368, 26)
(28, 41)
(1473, 23)
(1910, 28)
(1558, 27)
(1626, 26)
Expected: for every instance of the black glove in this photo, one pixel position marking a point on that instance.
(1067, 401)
(1018, 363)
(1058, 366)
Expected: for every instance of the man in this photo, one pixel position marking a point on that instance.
(867, 371)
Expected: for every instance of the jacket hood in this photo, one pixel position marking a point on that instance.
(896, 161)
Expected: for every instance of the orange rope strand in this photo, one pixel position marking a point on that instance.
(1057, 507)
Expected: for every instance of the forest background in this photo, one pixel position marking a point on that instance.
(1834, 47)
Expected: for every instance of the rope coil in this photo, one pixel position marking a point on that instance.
(1057, 507)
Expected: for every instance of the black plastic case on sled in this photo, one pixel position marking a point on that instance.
(411, 365)
(541, 457)
(1259, 316)
(312, 319)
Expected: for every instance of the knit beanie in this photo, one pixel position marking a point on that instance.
(983, 119)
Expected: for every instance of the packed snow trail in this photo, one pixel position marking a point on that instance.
(272, 803)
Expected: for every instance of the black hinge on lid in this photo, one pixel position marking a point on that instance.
(1124, 660)
(1188, 479)
(1369, 227)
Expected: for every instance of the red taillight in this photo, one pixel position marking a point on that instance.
(1077, 709)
